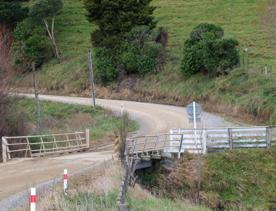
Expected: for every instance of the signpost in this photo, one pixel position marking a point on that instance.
(194, 111)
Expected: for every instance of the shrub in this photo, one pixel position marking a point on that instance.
(140, 53)
(105, 63)
(30, 45)
(205, 51)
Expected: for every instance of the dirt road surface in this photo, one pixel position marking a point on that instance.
(19, 175)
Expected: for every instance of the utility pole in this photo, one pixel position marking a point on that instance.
(37, 110)
(90, 66)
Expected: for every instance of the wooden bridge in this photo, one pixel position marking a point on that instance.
(200, 141)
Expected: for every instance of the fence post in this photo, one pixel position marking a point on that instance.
(4, 149)
(87, 137)
(268, 136)
(230, 138)
(204, 142)
(180, 147)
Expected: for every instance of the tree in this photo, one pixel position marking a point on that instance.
(45, 11)
(206, 51)
(140, 53)
(30, 45)
(116, 18)
(12, 12)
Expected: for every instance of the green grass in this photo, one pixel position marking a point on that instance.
(67, 117)
(246, 91)
(246, 177)
(232, 180)
(241, 19)
(162, 204)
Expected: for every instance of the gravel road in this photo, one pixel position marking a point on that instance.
(18, 175)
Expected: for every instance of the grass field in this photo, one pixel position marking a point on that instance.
(232, 180)
(58, 117)
(246, 91)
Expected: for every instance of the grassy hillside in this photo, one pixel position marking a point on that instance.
(244, 92)
(234, 180)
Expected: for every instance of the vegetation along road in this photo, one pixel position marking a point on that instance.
(152, 119)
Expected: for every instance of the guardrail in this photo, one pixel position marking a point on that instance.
(41, 145)
(203, 140)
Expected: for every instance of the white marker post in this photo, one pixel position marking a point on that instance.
(195, 126)
(65, 181)
(122, 109)
(33, 199)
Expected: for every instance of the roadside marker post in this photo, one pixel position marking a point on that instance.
(65, 181)
(33, 199)
(122, 109)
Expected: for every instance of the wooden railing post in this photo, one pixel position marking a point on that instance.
(4, 149)
(87, 138)
(268, 136)
(180, 147)
(230, 138)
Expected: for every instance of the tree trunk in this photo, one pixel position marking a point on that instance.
(51, 34)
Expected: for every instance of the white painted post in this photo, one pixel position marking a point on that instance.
(87, 137)
(4, 149)
(122, 109)
(195, 126)
(33, 199)
(65, 181)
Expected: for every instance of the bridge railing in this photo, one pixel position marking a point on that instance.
(204, 140)
(41, 145)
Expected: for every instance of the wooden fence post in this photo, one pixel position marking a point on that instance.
(230, 138)
(4, 149)
(268, 136)
(87, 137)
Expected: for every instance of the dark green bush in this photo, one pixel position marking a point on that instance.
(30, 45)
(12, 12)
(105, 63)
(206, 51)
(116, 18)
(140, 53)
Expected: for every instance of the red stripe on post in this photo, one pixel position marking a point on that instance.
(33, 199)
(65, 176)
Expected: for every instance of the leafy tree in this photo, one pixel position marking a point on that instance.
(12, 12)
(116, 18)
(126, 30)
(45, 11)
(140, 53)
(30, 45)
(206, 51)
